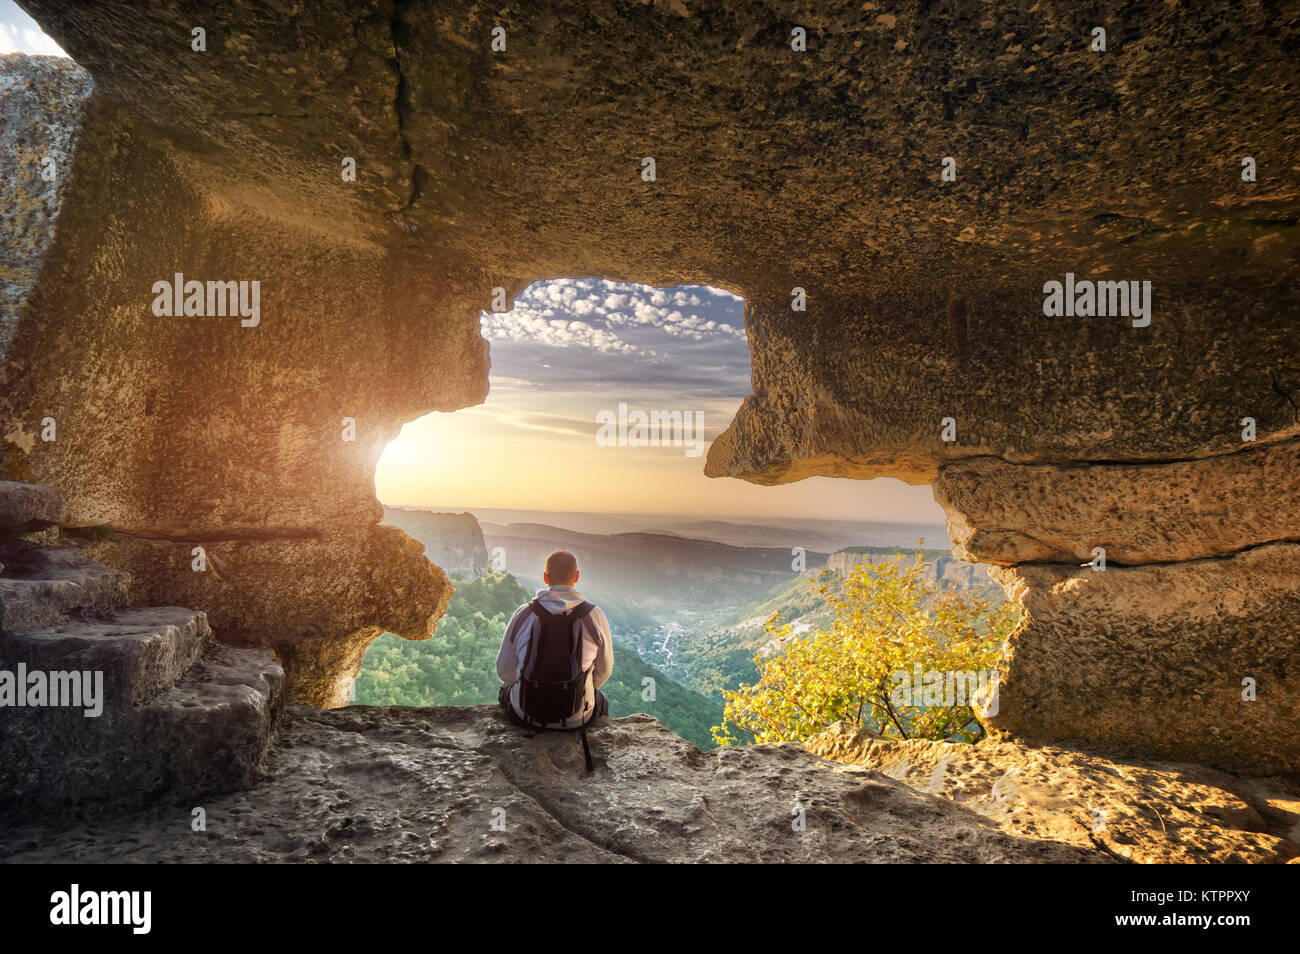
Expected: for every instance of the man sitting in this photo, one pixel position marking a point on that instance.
(556, 652)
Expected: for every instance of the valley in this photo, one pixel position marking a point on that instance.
(688, 600)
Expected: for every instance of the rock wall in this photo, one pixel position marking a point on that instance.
(454, 541)
(924, 351)
(41, 101)
(193, 432)
(1184, 641)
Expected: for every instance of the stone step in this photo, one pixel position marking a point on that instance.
(216, 723)
(42, 586)
(141, 652)
(26, 508)
(208, 733)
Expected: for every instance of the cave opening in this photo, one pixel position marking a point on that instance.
(604, 398)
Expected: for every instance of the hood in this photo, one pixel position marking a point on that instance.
(559, 599)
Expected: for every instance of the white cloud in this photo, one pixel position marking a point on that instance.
(500, 380)
(19, 33)
(523, 325)
(558, 293)
(648, 314)
(570, 313)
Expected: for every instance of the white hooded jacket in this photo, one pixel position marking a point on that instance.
(598, 656)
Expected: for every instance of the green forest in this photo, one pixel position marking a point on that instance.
(457, 666)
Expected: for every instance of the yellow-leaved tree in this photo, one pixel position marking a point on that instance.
(902, 657)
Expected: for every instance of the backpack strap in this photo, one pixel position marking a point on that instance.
(583, 613)
(542, 614)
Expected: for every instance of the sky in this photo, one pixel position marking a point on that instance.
(572, 349)
(568, 351)
(19, 33)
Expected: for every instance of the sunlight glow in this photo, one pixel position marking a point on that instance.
(572, 349)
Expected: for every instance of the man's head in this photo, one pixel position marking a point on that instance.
(561, 569)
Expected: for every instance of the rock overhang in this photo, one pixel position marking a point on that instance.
(775, 169)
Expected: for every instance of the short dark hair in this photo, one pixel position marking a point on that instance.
(562, 567)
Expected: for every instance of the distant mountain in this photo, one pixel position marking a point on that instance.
(656, 570)
(821, 535)
(812, 534)
(454, 541)
(581, 522)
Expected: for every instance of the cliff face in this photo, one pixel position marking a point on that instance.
(454, 541)
(776, 170)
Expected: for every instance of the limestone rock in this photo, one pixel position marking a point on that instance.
(1140, 513)
(141, 652)
(209, 732)
(41, 103)
(219, 721)
(28, 507)
(776, 170)
(461, 784)
(208, 432)
(1151, 812)
(1198, 661)
(42, 585)
(318, 600)
(113, 706)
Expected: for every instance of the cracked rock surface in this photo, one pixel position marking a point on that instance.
(1197, 661)
(1142, 810)
(461, 784)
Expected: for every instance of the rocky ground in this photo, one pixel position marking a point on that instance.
(1141, 810)
(372, 784)
(460, 784)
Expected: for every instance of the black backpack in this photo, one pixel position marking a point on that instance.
(552, 682)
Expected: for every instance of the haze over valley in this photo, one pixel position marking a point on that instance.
(688, 598)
